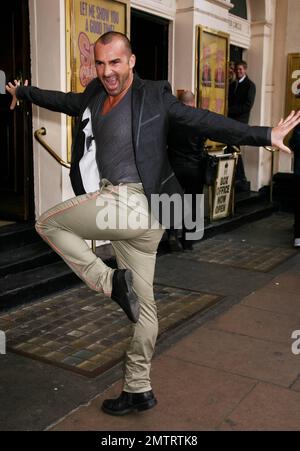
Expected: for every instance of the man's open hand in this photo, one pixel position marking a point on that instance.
(283, 128)
(12, 88)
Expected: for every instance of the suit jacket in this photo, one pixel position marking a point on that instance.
(295, 146)
(185, 149)
(241, 99)
(154, 110)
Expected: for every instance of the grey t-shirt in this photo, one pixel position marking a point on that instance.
(113, 136)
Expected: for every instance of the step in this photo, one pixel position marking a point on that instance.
(18, 235)
(23, 287)
(249, 206)
(283, 177)
(248, 198)
(26, 257)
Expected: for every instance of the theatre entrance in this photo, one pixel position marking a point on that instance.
(16, 166)
(150, 42)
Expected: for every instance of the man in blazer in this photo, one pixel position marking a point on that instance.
(124, 122)
(241, 99)
(295, 146)
(241, 94)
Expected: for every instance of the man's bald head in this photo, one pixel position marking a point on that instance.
(187, 97)
(110, 36)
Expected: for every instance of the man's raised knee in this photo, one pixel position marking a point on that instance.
(41, 225)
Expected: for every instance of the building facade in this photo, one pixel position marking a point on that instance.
(263, 31)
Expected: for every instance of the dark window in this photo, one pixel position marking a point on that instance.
(239, 9)
(236, 53)
(150, 44)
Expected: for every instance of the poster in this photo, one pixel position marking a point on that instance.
(223, 188)
(212, 70)
(293, 83)
(86, 21)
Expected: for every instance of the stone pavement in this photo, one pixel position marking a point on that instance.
(235, 372)
(85, 332)
(228, 368)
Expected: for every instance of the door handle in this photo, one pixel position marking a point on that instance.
(20, 79)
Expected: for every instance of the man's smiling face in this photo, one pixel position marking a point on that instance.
(114, 66)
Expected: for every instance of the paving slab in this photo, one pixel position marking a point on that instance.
(188, 273)
(240, 355)
(296, 385)
(34, 394)
(239, 253)
(210, 396)
(274, 230)
(257, 323)
(275, 299)
(266, 408)
(286, 282)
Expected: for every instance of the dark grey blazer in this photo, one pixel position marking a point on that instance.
(295, 146)
(154, 109)
(241, 98)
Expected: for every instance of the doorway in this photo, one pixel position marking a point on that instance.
(150, 43)
(236, 53)
(16, 160)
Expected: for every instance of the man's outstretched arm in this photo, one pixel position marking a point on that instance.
(225, 130)
(52, 100)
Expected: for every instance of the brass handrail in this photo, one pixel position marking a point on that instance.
(236, 149)
(43, 132)
(271, 149)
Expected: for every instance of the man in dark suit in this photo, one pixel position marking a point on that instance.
(240, 102)
(123, 124)
(295, 146)
(187, 157)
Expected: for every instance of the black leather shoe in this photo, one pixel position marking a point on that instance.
(129, 402)
(123, 294)
(174, 244)
(187, 245)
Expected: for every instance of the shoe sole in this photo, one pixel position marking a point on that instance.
(132, 296)
(138, 408)
(134, 312)
(175, 247)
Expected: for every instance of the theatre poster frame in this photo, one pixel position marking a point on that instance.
(85, 22)
(211, 72)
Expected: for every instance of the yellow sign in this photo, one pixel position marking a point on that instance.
(88, 20)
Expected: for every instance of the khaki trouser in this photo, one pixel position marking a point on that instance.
(65, 228)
